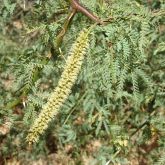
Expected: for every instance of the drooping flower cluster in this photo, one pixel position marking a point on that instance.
(62, 91)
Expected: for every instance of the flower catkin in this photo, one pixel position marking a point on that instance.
(61, 92)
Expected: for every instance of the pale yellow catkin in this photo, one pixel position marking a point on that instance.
(62, 91)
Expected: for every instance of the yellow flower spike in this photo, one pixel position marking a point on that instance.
(62, 91)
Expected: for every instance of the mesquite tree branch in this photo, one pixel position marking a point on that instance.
(76, 7)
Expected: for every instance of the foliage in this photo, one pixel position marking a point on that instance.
(116, 106)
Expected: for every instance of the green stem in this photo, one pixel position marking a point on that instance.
(65, 27)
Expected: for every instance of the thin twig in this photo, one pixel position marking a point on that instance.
(147, 121)
(65, 27)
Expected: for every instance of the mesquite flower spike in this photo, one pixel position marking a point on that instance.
(63, 89)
